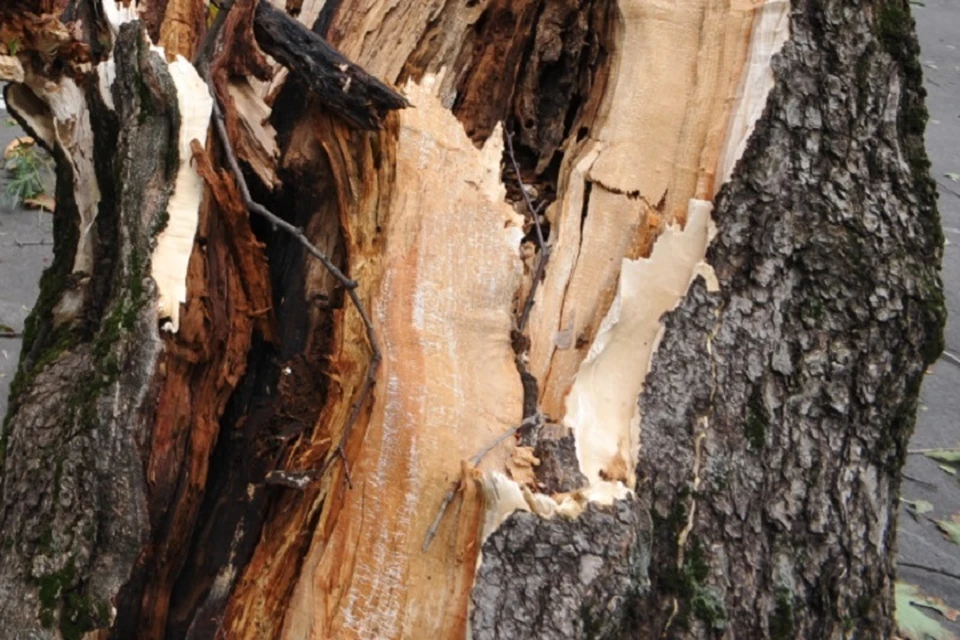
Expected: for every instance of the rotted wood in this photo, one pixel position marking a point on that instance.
(346, 89)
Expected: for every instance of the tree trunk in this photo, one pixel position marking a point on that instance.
(691, 249)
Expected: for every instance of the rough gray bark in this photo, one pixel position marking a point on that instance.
(563, 579)
(778, 410)
(73, 490)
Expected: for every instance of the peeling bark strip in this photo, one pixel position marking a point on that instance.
(178, 485)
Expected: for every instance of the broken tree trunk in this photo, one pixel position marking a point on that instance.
(635, 302)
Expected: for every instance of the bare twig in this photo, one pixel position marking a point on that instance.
(948, 189)
(541, 241)
(349, 285)
(523, 191)
(922, 483)
(923, 567)
(265, 213)
(253, 207)
(950, 357)
(474, 461)
(531, 420)
(32, 243)
(11, 334)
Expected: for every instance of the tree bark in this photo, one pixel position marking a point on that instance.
(672, 267)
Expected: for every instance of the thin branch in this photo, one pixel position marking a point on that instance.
(526, 196)
(474, 461)
(11, 334)
(531, 420)
(265, 213)
(541, 240)
(950, 357)
(219, 123)
(922, 483)
(923, 567)
(32, 243)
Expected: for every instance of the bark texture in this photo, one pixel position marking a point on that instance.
(73, 490)
(716, 351)
(778, 409)
(557, 579)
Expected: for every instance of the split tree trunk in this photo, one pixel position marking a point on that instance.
(718, 373)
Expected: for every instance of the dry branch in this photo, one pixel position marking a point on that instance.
(349, 285)
(474, 461)
(541, 241)
(346, 89)
(282, 31)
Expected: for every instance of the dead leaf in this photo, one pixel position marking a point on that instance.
(918, 507)
(913, 623)
(43, 201)
(951, 528)
(16, 144)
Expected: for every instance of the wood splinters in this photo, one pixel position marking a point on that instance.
(535, 419)
(350, 285)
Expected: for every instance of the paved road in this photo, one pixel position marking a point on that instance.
(20, 266)
(938, 422)
(939, 418)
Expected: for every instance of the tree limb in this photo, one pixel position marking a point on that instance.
(344, 87)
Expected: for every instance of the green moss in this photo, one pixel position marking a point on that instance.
(81, 615)
(51, 587)
(159, 224)
(78, 615)
(695, 565)
(933, 319)
(895, 29)
(781, 624)
(896, 32)
(707, 607)
(693, 596)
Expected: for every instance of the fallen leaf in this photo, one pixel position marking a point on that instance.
(951, 528)
(951, 175)
(913, 623)
(943, 455)
(920, 506)
(43, 201)
(948, 469)
(22, 141)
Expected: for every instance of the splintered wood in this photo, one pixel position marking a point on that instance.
(629, 230)
(682, 71)
(447, 387)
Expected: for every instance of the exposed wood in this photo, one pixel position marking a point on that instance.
(257, 144)
(10, 69)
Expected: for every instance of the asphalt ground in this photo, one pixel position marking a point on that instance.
(938, 421)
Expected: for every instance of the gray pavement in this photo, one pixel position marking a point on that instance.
(938, 421)
(22, 260)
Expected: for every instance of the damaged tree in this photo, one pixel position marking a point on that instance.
(575, 319)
